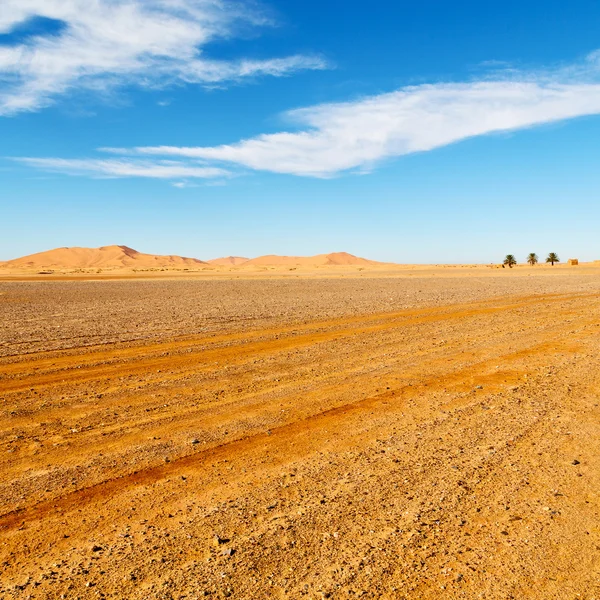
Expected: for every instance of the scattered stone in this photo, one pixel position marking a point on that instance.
(219, 541)
(575, 462)
(195, 441)
(97, 548)
(228, 552)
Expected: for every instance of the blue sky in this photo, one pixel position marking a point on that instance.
(401, 131)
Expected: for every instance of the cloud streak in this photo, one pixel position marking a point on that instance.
(107, 43)
(355, 136)
(111, 168)
(335, 138)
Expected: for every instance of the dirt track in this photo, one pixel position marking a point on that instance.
(383, 439)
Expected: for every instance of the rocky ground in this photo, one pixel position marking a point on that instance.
(413, 437)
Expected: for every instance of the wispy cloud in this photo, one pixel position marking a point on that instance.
(184, 185)
(357, 135)
(106, 43)
(103, 168)
(330, 139)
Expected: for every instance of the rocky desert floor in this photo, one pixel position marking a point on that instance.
(415, 436)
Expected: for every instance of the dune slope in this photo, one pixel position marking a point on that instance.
(229, 261)
(332, 259)
(103, 257)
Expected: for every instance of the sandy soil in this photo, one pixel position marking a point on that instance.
(426, 435)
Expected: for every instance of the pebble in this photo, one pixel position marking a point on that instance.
(218, 541)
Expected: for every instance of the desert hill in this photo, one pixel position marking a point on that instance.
(124, 257)
(333, 259)
(229, 261)
(104, 257)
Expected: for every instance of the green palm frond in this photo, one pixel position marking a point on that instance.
(510, 260)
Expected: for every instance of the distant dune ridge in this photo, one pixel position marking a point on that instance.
(333, 259)
(229, 261)
(114, 257)
(105, 257)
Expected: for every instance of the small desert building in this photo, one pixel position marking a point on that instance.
(573, 261)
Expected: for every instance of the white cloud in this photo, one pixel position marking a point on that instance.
(106, 43)
(156, 169)
(355, 136)
(184, 185)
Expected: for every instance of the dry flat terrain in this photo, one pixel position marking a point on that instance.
(423, 435)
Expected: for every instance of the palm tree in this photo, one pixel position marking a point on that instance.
(510, 260)
(532, 258)
(553, 258)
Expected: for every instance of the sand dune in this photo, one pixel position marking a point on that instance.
(333, 259)
(104, 257)
(229, 261)
(123, 257)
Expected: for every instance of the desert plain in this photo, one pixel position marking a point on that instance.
(358, 432)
